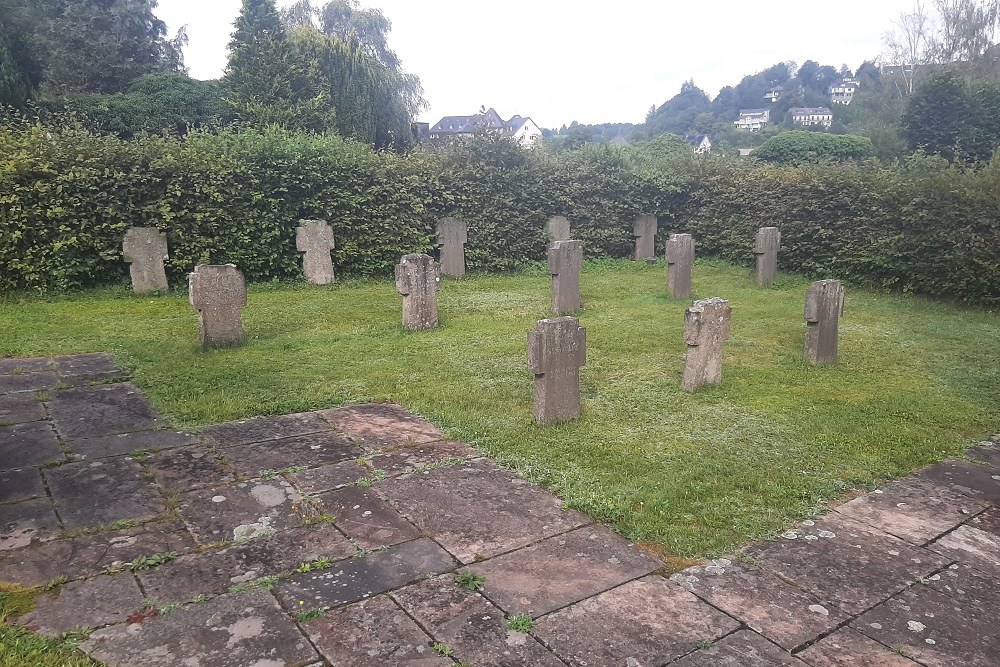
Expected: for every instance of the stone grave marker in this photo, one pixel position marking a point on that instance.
(680, 258)
(558, 228)
(824, 308)
(314, 238)
(565, 264)
(766, 248)
(706, 328)
(452, 235)
(418, 279)
(644, 230)
(145, 249)
(557, 349)
(219, 293)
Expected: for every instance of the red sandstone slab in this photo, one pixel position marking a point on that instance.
(381, 425)
(188, 468)
(242, 511)
(850, 648)
(366, 519)
(478, 510)
(24, 484)
(988, 521)
(934, 629)
(649, 621)
(29, 444)
(260, 429)
(373, 633)
(406, 459)
(95, 493)
(88, 603)
(307, 450)
(973, 546)
(27, 522)
(974, 480)
(475, 629)
(327, 478)
(777, 610)
(913, 509)
(90, 554)
(90, 412)
(244, 630)
(845, 563)
(742, 649)
(20, 408)
(562, 570)
(971, 587)
(127, 443)
(34, 381)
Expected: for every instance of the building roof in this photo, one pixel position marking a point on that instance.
(810, 111)
(753, 112)
(697, 139)
(478, 122)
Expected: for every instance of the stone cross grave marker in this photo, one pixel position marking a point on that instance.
(558, 228)
(824, 308)
(145, 249)
(314, 238)
(452, 235)
(557, 349)
(680, 258)
(219, 293)
(766, 248)
(706, 328)
(565, 264)
(418, 279)
(644, 230)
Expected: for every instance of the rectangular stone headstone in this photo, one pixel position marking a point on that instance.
(824, 307)
(418, 279)
(314, 238)
(644, 229)
(558, 228)
(766, 248)
(145, 249)
(452, 235)
(557, 349)
(565, 264)
(706, 328)
(219, 293)
(680, 259)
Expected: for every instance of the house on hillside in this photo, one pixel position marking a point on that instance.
(774, 93)
(842, 92)
(806, 116)
(752, 119)
(700, 143)
(522, 129)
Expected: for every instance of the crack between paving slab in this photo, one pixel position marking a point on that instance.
(741, 628)
(298, 626)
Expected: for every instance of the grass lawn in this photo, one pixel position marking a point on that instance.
(698, 473)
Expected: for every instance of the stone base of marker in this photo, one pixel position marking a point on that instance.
(680, 260)
(418, 279)
(145, 249)
(766, 247)
(452, 235)
(314, 238)
(706, 329)
(557, 349)
(565, 265)
(644, 230)
(219, 293)
(823, 310)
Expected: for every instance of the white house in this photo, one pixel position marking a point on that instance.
(752, 119)
(700, 143)
(774, 93)
(843, 91)
(522, 129)
(806, 116)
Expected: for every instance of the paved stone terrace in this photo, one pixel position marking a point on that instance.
(368, 513)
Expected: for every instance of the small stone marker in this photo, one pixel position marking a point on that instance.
(557, 349)
(558, 228)
(680, 258)
(418, 279)
(644, 229)
(145, 249)
(452, 235)
(824, 307)
(219, 293)
(706, 328)
(315, 239)
(766, 248)
(565, 264)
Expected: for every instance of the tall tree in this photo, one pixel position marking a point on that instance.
(20, 67)
(909, 46)
(941, 118)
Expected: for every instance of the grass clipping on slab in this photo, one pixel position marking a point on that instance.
(698, 473)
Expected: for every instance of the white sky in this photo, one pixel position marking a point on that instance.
(564, 60)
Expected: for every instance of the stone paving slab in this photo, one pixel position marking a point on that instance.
(976, 547)
(985, 452)
(373, 633)
(261, 429)
(244, 630)
(403, 459)
(79, 369)
(478, 510)
(535, 580)
(307, 450)
(365, 518)
(129, 443)
(36, 381)
(241, 511)
(89, 412)
(329, 477)
(742, 649)
(24, 523)
(88, 603)
(95, 493)
(20, 408)
(768, 605)
(188, 468)
(850, 648)
(473, 628)
(649, 621)
(20, 485)
(29, 444)
(10, 366)
(973, 479)
(969, 586)
(382, 425)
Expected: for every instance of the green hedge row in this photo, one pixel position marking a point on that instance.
(68, 196)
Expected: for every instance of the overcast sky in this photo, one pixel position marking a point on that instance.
(564, 60)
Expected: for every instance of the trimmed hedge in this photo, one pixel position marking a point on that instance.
(67, 197)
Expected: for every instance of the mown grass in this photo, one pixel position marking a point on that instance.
(699, 473)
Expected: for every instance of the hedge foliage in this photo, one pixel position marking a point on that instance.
(67, 197)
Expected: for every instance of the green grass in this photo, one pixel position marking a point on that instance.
(21, 648)
(699, 473)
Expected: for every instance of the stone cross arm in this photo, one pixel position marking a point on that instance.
(563, 345)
